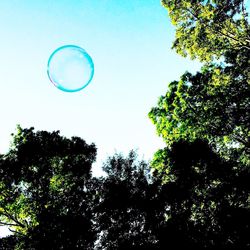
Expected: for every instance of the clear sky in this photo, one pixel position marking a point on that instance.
(130, 44)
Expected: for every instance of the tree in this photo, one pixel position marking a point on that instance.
(8, 243)
(204, 120)
(214, 103)
(202, 201)
(208, 29)
(50, 201)
(44, 197)
(207, 198)
(130, 208)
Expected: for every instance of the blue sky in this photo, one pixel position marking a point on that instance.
(130, 44)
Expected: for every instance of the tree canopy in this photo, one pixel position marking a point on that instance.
(212, 104)
(208, 29)
(195, 192)
(43, 197)
(205, 118)
(50, 200)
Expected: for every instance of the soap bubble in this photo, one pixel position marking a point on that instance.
(70, 68)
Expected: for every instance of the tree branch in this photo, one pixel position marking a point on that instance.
(11, 217)
(8, 224)
(230, 35)
(14, 231)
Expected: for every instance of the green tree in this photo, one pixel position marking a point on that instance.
(44, 196)
(204, 120)
(212, 104)
(208, 29)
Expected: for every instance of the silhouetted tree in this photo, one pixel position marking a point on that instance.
(43, 190)
(8, 243)
(207, 198)
(204, 120)
(198, 194)
(130, 207)
(49, 200)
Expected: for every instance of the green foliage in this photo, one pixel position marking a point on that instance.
(198, 193)
(50, 200)
(207, 29)
(212, 104)
(204, 120)
(43, 190)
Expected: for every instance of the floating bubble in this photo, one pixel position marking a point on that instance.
(70, 68)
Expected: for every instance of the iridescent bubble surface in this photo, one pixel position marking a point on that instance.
(70, 68)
